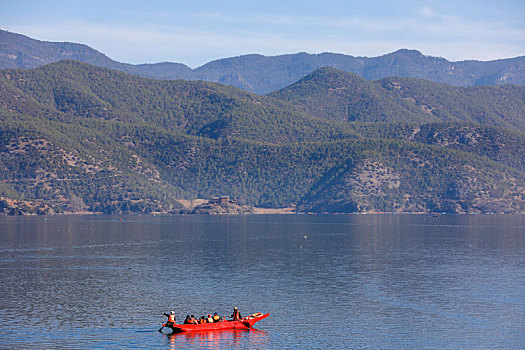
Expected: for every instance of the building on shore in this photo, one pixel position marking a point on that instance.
(222, 200)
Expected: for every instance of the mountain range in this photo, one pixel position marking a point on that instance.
(262, 74)
(77, 137)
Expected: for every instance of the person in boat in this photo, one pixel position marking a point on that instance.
(236, 316)
(187, 320)
(216, 317)
(171, 319)
(202, 320)
(209, 319)
(170, 322)
(193, 320)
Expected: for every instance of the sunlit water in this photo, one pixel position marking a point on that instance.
(379, 281)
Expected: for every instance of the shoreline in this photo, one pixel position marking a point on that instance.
(257, 211)
(29, 208)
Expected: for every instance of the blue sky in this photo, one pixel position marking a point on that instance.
(195, 32)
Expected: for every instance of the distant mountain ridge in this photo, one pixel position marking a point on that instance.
(20, 51)
(262, 74)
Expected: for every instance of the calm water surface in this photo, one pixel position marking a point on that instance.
(356, 282)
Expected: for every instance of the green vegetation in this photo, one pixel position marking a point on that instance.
(76, 138)
(196, 108)
(336, 95)
(502, 106)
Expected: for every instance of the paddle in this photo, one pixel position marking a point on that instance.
(161, 328)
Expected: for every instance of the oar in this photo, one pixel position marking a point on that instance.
(163, 325)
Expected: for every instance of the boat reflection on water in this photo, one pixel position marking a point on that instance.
(228, 338)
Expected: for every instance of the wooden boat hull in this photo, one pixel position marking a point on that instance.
(246, 323)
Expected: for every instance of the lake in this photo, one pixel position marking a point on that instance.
(341, 281)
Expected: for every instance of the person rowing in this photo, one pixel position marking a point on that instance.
(170, 322)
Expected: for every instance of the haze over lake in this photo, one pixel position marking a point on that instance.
(349, 281)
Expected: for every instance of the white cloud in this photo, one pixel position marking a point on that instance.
(428, 12)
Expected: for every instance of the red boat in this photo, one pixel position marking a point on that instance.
(245, 323)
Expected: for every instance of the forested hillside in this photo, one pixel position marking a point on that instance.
(194, 107)
(78, 138)
(338, 95)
